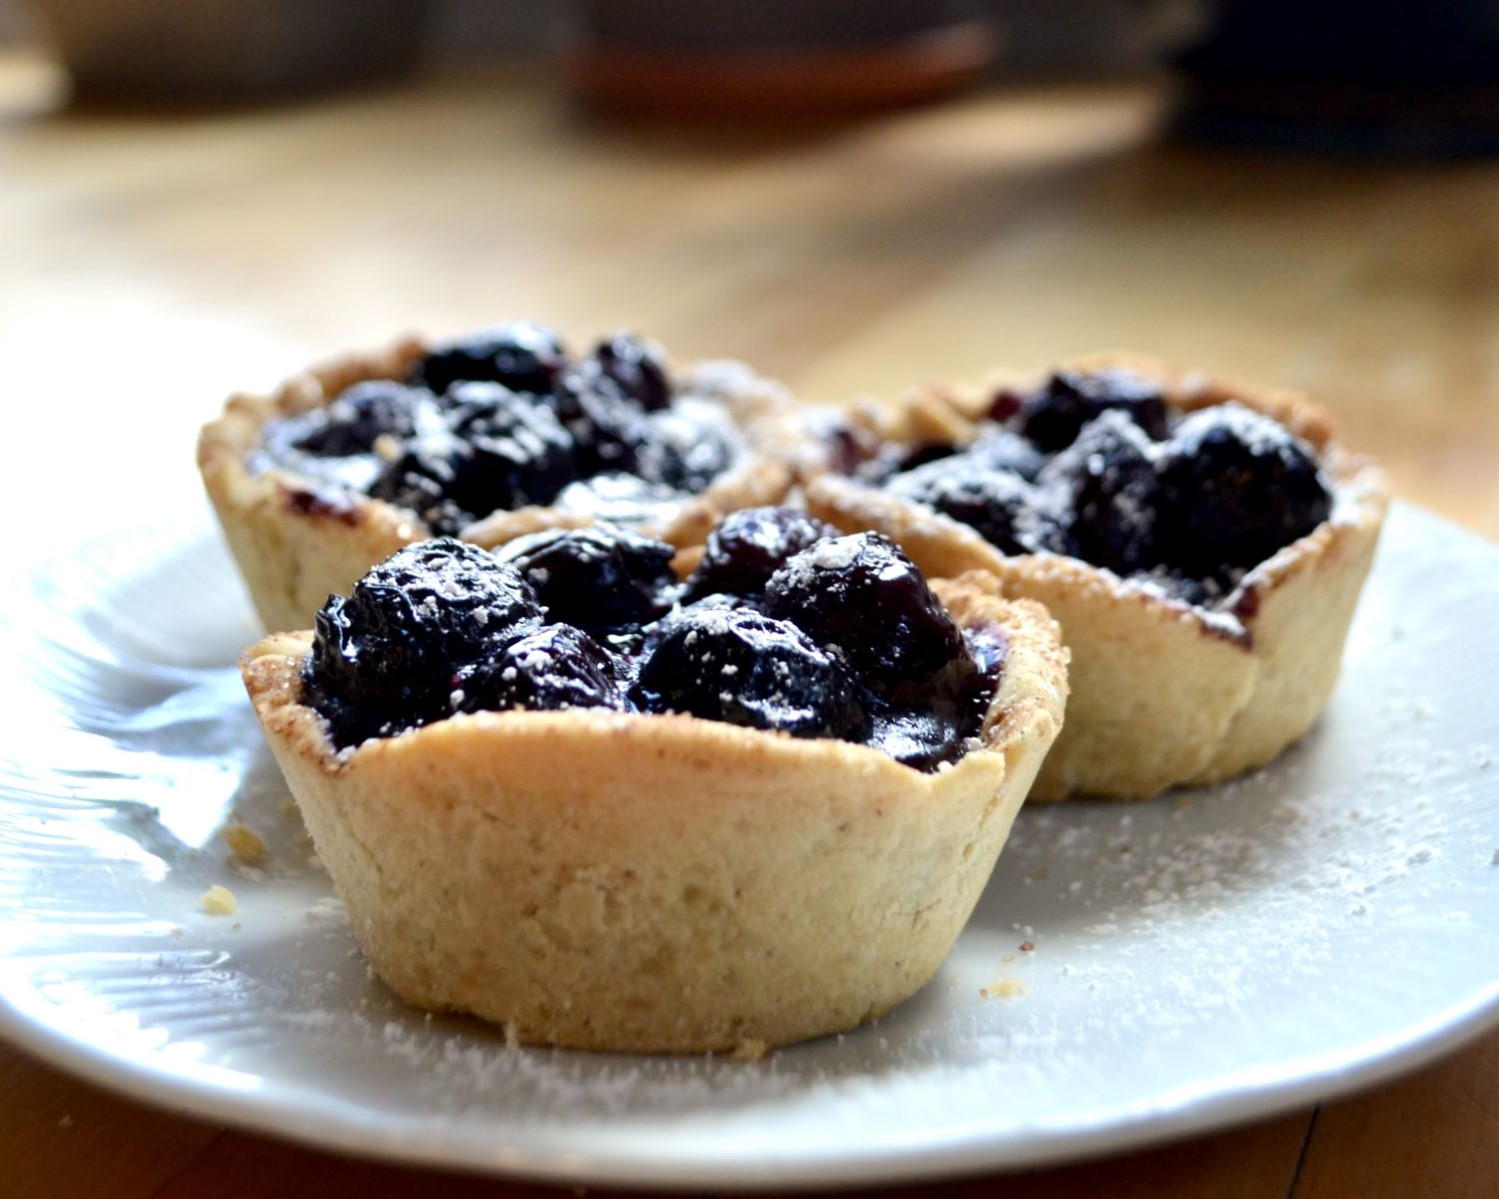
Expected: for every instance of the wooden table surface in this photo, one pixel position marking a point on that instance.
(153, 263)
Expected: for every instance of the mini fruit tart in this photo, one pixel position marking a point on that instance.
(1201, 541)
(485, 438)
(560, 789)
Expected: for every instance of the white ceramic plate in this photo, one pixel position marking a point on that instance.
(1133, 972)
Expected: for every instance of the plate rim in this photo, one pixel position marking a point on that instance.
(1228, 1101)
(297, 1115)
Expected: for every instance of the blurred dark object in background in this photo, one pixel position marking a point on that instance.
(230, 51)
(812, 57)
(1399, 77)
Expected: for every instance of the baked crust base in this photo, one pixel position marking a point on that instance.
(297, 542)
(679, 885)
(1163, 694)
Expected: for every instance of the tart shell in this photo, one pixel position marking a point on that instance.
(661, 883)
(297, 541)
(1163, 693)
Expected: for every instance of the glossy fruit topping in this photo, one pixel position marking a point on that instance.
(1054, 414)
(1235, 487)
(1094, 466)
(751, 545)
(603, 578)
(681, 453)
(857, 647)
(637, 367)
(1001, 506)
(744, 668)
(1000, 449)
(606, 425)
(553, 669)
(521, 356)
(862, 595)
(386, 657)
(354, 421)
(1106, 482)
(505, 419)
(496, 449)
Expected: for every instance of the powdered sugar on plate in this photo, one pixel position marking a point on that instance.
(1132, 971)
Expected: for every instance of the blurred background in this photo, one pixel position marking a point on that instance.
(199, 196)
(1040, 35)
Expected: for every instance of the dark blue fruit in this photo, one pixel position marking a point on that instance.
(1235, 487)
(553, 669)
(359, 416)
(862, 595)
(999, 449)
(1107, 483)
(606, 425)
(937, 727)
(1054, 414)
(999, 505)
(751, 545)
(521, 355)
(747, 669)
(679, 452)
(637, 367)
(386, 657)
(497, 450)
(603, 579)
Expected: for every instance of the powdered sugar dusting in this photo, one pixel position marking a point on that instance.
(1210, 954)
(1118, 943)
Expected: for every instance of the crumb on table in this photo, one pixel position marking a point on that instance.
(245, 844)
(1003, 987)
(749, 1051)
(218, 901)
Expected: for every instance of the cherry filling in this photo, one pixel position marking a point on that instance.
(784, 626)
(1097, 466)
(504, 419)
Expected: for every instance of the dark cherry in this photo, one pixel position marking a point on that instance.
(359, 416)
(999, 505)
(637, 367)
(386, 657)
(634, 646)
(1054, 414)
(603, 579)
(751, 545)
(499, 450)
(862, 595)
(521, 355)
(922, 738)
(420, 479)
(747, 669)
(524, 454)
(606, 425)
(1000, 449)
(938, 725)
(1235, 487)
(858, 648)
(1108, 485)
(681, 453)
(552, 669)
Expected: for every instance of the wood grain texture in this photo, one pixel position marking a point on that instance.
(1435, 1133)
(61, 1137)
(155, 264)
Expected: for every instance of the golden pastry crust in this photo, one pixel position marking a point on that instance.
(1162, 693)
(297, 542)
(681, 885)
